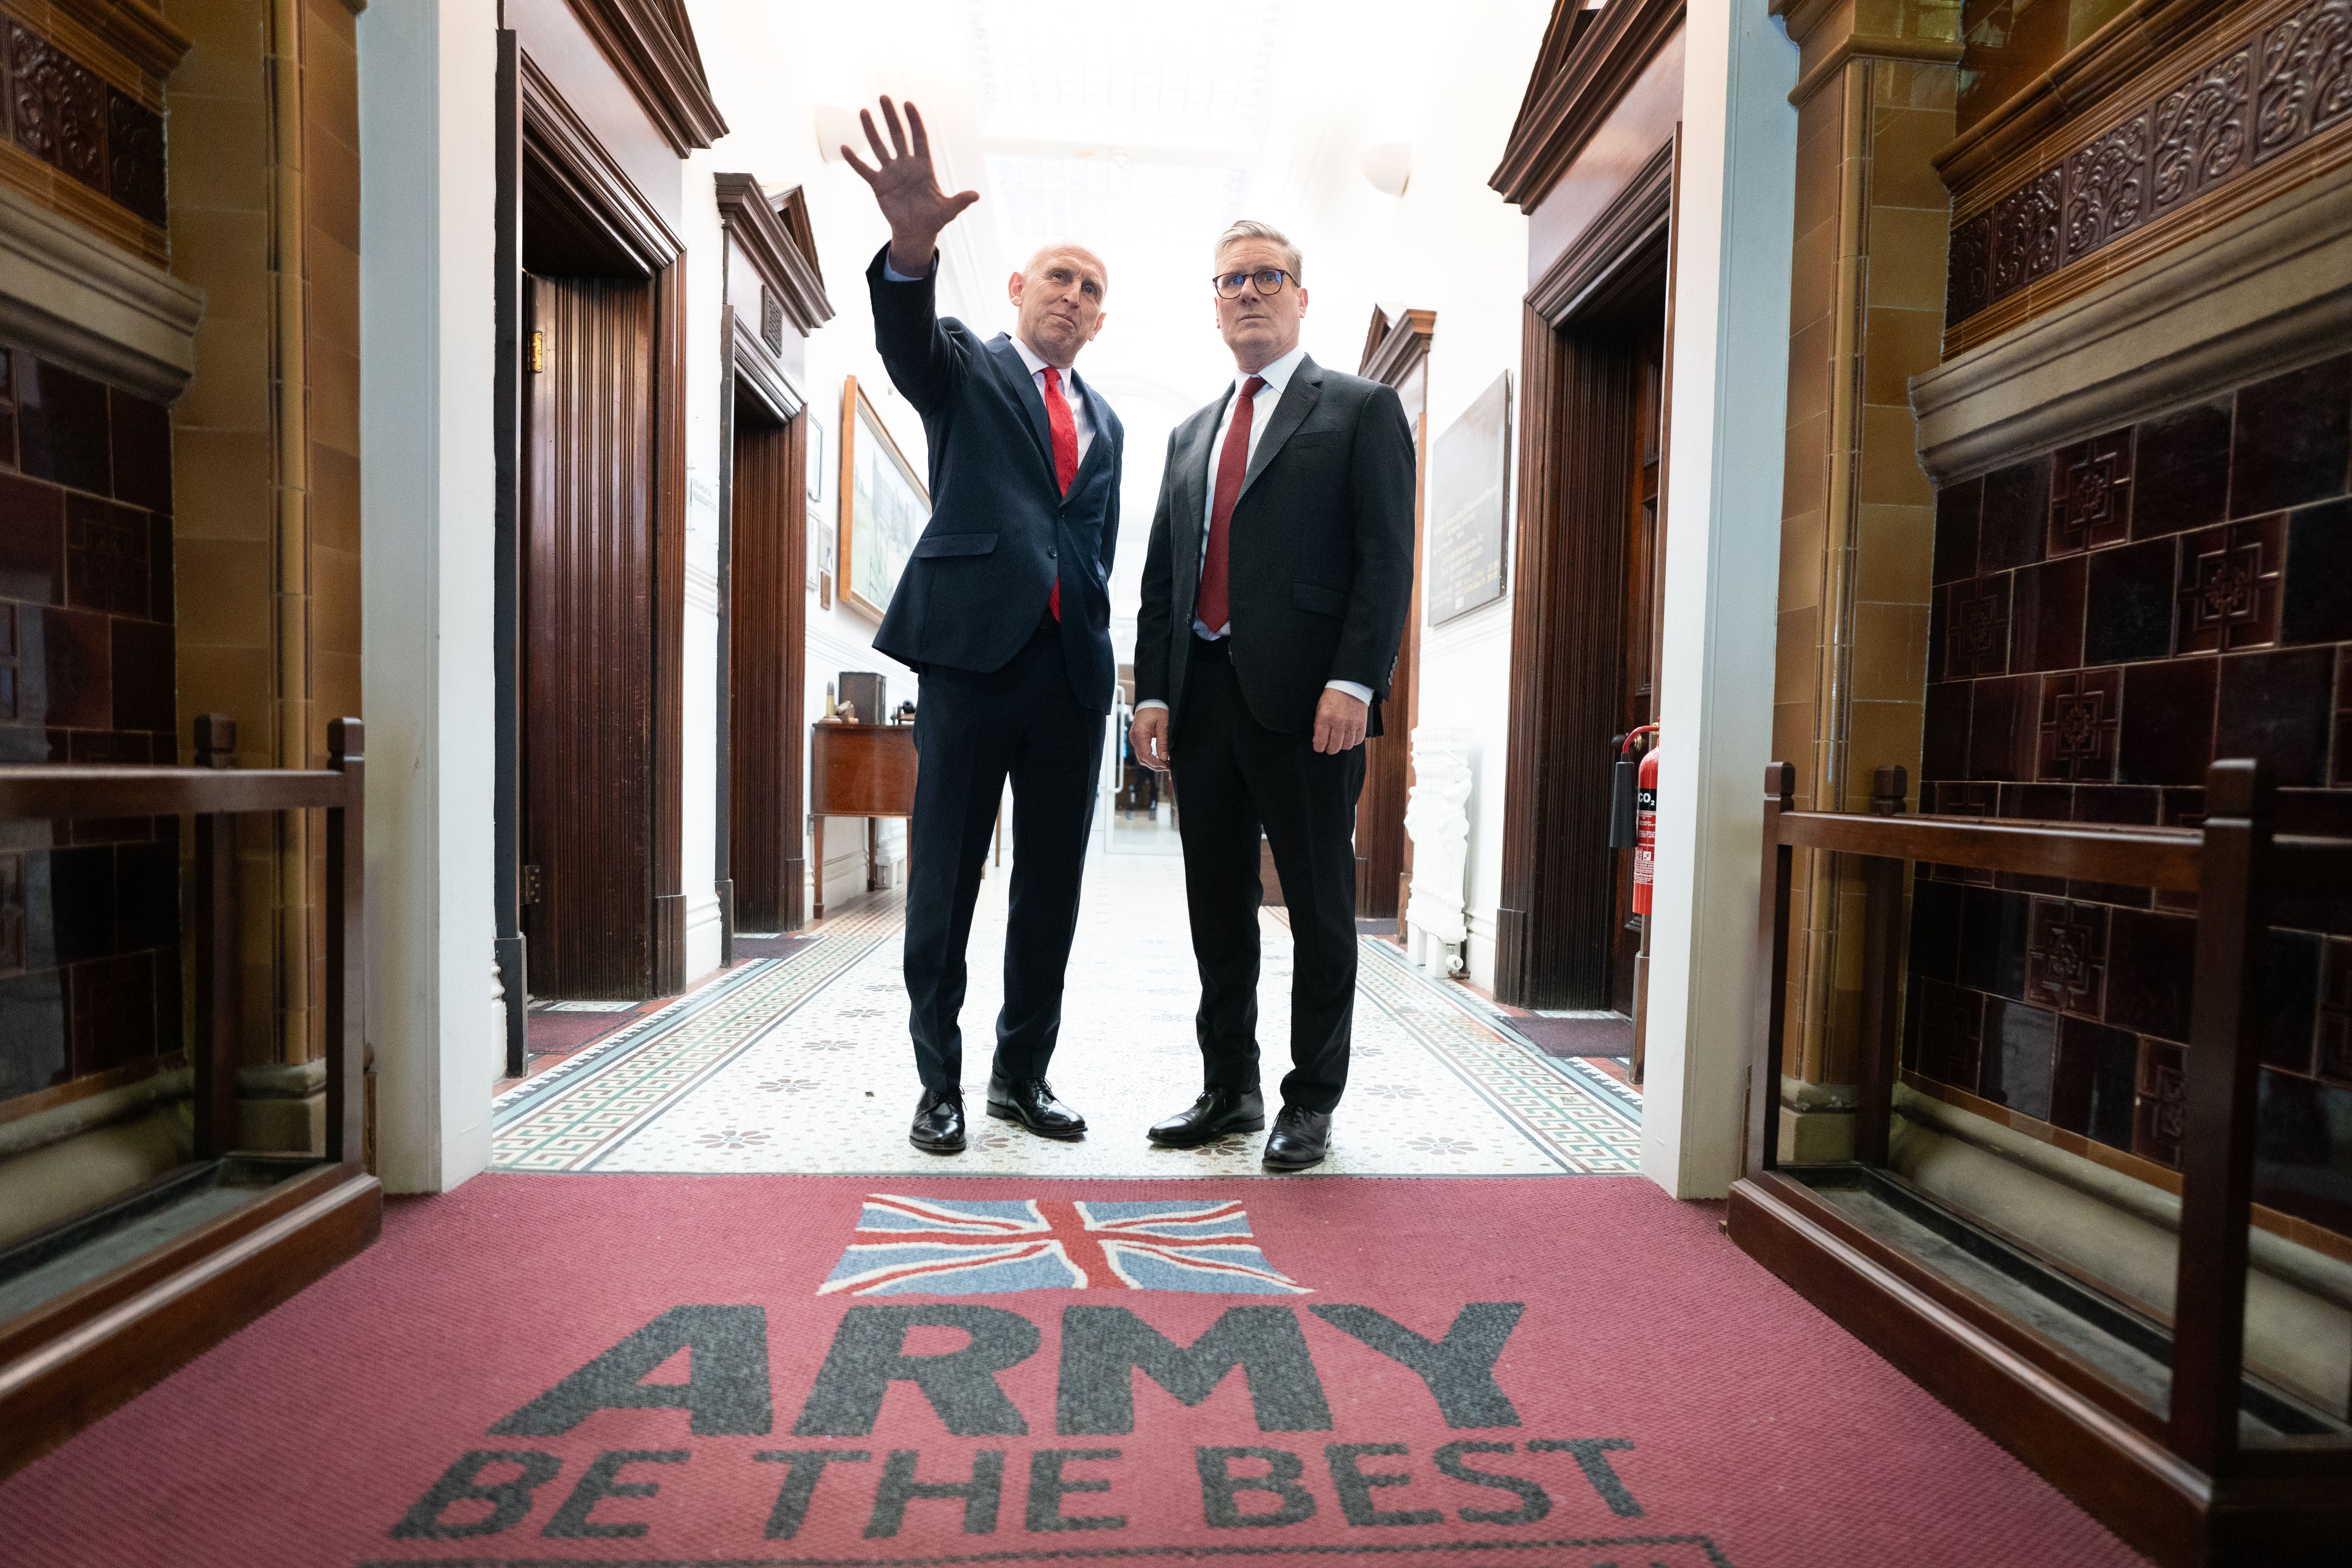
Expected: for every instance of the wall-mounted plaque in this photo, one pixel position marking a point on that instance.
(884, 507)
(1469, 482)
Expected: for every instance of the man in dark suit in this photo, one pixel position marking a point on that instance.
(1004, 611)
(1275, 594)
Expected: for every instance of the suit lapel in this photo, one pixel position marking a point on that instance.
(1298, 400)
(1024, 387)
(1098, 414)
(1192, 495)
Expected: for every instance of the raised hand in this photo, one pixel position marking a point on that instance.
(907, 189)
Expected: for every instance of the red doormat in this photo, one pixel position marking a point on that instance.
(849, 1372)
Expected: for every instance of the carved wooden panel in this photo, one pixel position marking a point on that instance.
(2263, 94)
(588, 637)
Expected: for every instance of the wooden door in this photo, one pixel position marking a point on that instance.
(588, 637)
(767, 618)
(1638, 703)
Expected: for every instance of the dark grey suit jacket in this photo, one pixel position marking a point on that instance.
(1320, 568)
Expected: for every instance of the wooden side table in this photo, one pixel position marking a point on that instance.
(858, 770)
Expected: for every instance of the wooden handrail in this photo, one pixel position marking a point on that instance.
(210, 791)
(2162, 858)
(37, 790)
(2238, 867)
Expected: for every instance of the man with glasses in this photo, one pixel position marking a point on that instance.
(1004, 611)
(1274, 592)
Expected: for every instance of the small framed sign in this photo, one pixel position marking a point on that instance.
(1469, 482)
(884, 507)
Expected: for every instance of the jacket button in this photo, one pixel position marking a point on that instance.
(1050, 553)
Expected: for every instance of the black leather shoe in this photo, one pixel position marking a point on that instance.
(938, 1123)
(1217, 1113)
(1031, 1102)
(1299, 1138)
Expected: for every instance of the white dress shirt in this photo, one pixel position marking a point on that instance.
(1276, 377)
(1078, 414)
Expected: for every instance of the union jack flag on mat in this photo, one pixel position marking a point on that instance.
(961, 1247)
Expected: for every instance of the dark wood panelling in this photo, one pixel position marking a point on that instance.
(765, 661)
(1555, 920)
(589, 576)
(1396, 352)
(775, 233)
(1589, 58)
(669, 631)
(650, 43)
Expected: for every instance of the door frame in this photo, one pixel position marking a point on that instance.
(1554, 922)
(770, 305)
(1394, 348)
(565, 167)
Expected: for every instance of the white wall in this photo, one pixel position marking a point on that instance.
(1452, 245)
(427, 72)
(699, 770)
(1722, 557)
(769, 67)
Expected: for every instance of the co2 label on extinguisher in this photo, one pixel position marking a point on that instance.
(1645, 839)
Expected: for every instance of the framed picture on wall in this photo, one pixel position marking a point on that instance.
(815, 464)
(1469, 486)
(884, 507)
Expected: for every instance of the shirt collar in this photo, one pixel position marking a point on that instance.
(1277, 375)
(1035, 365)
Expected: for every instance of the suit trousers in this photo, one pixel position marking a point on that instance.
(971, 732)
(1233, 776)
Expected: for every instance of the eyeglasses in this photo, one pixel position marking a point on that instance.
(1267, 280)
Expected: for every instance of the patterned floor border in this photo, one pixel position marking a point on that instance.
(1617, 1095)
(575, 1116)
(569, 1114)
(1574, 1117)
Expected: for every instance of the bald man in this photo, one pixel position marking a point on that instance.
(1004, 612)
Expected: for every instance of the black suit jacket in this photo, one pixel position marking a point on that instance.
(1320, 562)
(1001, 529)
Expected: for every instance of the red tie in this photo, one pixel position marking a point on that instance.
(1065, 454)
(1212, 607)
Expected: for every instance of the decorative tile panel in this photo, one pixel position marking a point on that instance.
(2091, 505)
(2306, 81)
(2025, 238)
(2160, 1105)
(135, 156)
(2081, 711)
(1976, 628)
(2261, 94)
(2066, 957)
(89, 941)
(2229, 587)
(2184, 593)
(2201, 131)
(2106, 186)
(59, 112)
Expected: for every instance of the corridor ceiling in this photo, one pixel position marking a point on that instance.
(1138, 127)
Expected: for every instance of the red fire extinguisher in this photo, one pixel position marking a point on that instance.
(1643, 837)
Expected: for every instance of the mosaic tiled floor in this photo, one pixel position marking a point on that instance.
(801, 1064)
